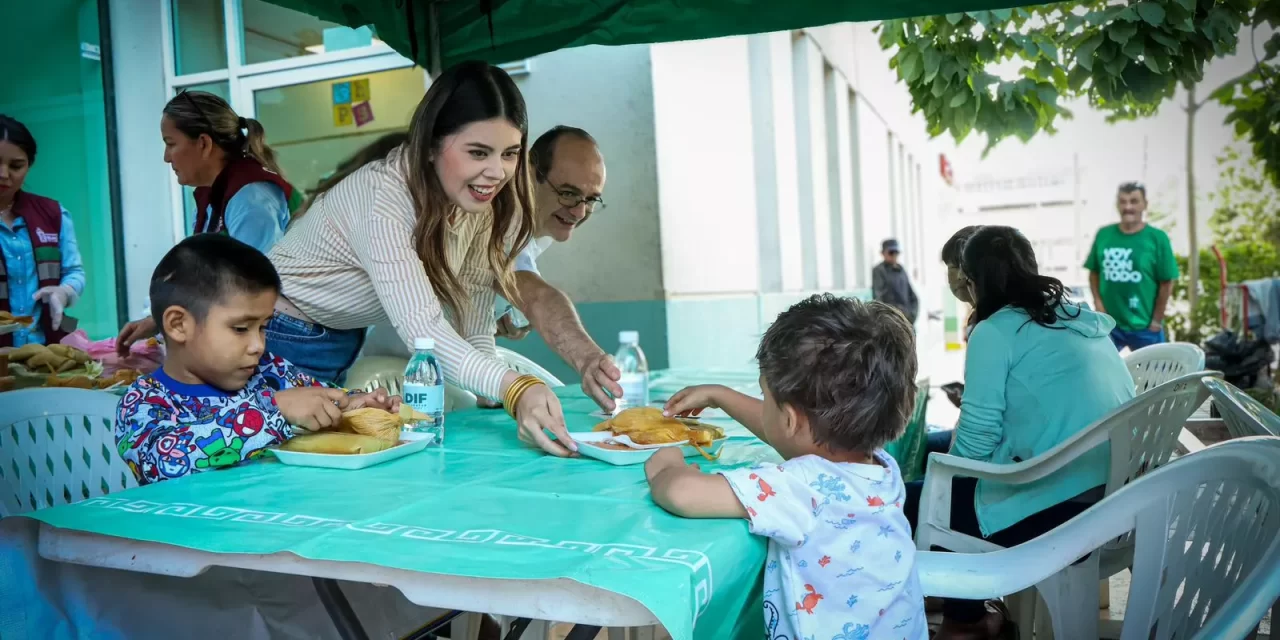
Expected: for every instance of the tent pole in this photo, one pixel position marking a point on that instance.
(433, 39)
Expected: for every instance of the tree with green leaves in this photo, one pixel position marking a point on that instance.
(1125, 59)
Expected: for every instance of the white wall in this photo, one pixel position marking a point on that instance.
(144, 177)
(607, 91)
(703, 125)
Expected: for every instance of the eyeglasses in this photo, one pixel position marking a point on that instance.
(571, 199)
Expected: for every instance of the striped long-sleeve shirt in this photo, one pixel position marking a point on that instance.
(350, 263)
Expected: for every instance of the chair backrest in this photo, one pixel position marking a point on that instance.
(57, 446)
(1144, 433)
(1159, 363)
(1207, 561)
(527, 366)
(1243, 414)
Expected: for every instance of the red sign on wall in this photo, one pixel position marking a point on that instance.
(944, 168)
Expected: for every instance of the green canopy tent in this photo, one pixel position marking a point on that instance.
(440, 33)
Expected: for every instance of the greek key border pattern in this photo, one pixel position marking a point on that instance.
(695, 561)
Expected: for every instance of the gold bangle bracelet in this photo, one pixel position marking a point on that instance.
(517, 390)
(515, 397)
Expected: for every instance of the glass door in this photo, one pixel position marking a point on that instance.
(318, 117)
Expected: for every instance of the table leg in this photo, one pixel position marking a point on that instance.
(340, 612)
(582, 632)
(517, 628)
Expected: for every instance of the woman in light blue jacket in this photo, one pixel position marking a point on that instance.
(1039, 368)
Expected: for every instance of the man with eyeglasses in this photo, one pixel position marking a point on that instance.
(890, 283)
(1131, 272)
(569, 177)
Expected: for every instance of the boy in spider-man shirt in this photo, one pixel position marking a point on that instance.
(219, 399)
(838, 377)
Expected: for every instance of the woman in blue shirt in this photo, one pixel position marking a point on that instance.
(1039, 368)
(42, 272)
(239, 189)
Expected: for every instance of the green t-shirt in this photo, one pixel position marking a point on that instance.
(1130, 268)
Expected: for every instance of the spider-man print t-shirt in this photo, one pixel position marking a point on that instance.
(841, 563)
(166, 429)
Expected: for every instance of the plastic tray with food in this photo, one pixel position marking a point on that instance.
(364, 437)
(10, 323)
(632, 436)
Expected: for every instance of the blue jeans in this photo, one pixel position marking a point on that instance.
(318, 351)
(1136, 339)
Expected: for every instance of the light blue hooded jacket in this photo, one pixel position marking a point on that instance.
(1027, 389)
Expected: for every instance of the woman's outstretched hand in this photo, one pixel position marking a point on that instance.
(537, 412)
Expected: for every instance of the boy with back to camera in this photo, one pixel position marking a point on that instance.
(219, 399)
(838, 377)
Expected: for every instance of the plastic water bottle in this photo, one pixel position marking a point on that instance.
(424, 391)
(634, 369)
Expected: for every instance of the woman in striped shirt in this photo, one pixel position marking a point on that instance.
(422, 238)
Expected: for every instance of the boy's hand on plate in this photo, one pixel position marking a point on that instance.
(376, 399)
(312, 408)
(664, 459)
(690, 401)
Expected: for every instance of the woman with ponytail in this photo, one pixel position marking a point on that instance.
(1039, 368)
(239, 189)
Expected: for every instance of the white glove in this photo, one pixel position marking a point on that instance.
(58, 298)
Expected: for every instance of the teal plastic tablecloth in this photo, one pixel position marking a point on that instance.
(484, 505)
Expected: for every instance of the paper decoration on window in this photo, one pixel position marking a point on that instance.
(341, 93)
(363, 113)
(342, 116)
(360, 90)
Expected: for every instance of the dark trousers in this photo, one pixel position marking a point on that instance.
(964, 519)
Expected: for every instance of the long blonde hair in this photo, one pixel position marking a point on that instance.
(466, 93)
(197, 113)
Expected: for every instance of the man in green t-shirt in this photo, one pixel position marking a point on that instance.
(1131, 272)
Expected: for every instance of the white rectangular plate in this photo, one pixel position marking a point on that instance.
(633, 456)
(351, 461)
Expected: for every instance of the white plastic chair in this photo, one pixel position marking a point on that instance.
(527, 366)
(57, 446)
(1159, 363)
(1243, 415)
(1206, 532)
(1143, 434)
(387, 372)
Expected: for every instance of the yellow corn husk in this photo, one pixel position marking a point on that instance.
(26, 352)
(409, 416)
(66, 365)
(47, 360)
(372, 422)
(70, 382)
(336, 443)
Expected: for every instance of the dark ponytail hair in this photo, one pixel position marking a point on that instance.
(197, 113)
(16, 133)
(1001, 264)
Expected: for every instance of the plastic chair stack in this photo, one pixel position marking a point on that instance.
(1142, 433)
(1205, 530)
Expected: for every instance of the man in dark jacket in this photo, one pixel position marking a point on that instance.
(890, 283)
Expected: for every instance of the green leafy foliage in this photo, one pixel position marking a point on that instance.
(1254, 104)
(1126, 59)
(1246, 204)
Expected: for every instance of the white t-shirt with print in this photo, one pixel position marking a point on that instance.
(841, 562)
